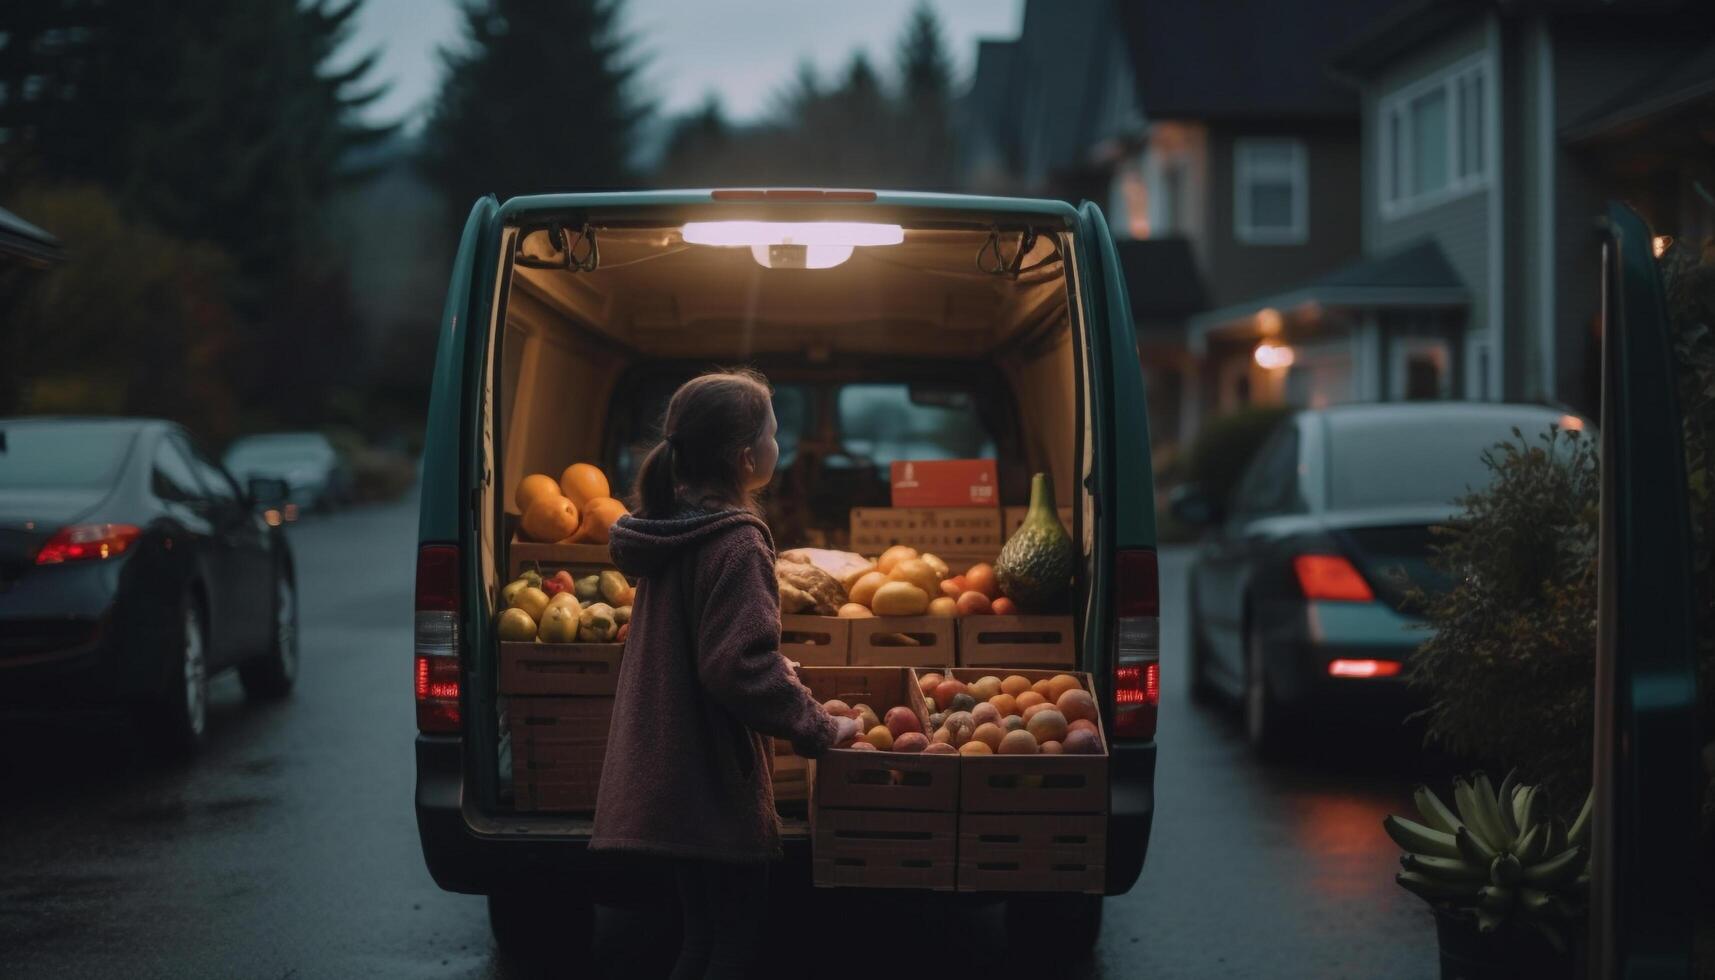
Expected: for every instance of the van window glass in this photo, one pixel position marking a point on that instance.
(879, 423)
(1270, 486)
(637, 416)
(61, 455)
(173, 479)
(792, 413)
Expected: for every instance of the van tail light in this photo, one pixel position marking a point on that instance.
(1331, 577)
(88, 542)
(1137, 660)
(437, 640)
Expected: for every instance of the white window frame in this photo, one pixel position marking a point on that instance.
(1295, 171)
(1394, 110)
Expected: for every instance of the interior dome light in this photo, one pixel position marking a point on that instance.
(794, 244)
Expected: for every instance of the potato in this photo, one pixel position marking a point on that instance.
(900, 599)
(863, 591)
(894, 556)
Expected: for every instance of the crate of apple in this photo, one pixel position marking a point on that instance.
(1052, 714)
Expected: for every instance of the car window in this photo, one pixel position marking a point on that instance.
(881, 423)
(214, 479)
(1270, 485)
(174, 479)
(1434, 458)
(61, 455)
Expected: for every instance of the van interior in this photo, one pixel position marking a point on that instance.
(962, 340)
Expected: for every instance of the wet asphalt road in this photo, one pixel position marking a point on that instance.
(289, 848)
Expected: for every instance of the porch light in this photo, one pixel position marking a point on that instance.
(1270, 356)
(794, 244)
(1269, 321)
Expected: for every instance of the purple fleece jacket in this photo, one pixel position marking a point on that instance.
(687, 772)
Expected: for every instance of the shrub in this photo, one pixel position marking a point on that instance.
(1225, 446)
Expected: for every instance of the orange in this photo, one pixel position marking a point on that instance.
(582, 483)
(533, 487)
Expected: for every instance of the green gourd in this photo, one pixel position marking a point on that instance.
(1035, 566)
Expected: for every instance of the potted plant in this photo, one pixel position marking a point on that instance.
(1508, 880)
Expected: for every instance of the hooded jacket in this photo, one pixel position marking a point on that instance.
(687, 771)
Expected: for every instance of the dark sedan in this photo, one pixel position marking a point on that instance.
(1298, 594)
(133, 567)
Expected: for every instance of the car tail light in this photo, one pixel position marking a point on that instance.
(437, 639)
(1137, 659)
(87, 542)
(1331, 577)
(1363, 668)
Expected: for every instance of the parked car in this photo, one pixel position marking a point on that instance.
(317, 476)
(1009, 315)
(132, 568)
(1298, 592)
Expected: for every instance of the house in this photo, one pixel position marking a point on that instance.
(1249, 160)
(1493, 131)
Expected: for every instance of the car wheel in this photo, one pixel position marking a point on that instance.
(533, 930)
(271, 676)
(1266, 727)
(179, 719)
(1074, 920)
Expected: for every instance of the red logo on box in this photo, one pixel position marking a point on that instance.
(944, 483)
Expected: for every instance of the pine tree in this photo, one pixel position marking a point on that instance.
(539, 97)
(926, 84)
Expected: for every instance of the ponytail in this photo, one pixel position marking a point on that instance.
(656, 494)
(710, 420)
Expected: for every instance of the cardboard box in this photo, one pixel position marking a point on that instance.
(949, 532)
(1016, 641)
(883, 849)
(815, 641)
(944, 483)
(560, 668)
(558, 745)
(1015, 784)
(1032, 853)
(904, 641)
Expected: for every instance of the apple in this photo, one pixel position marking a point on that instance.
(552, 587)
(901, 720)
(567, 583)
(559, 625)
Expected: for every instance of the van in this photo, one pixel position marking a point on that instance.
(894, 326)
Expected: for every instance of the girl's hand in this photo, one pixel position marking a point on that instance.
(846, 731)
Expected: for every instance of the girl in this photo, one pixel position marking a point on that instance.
(702, 683)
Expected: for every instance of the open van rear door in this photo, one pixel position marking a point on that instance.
(1648, 776)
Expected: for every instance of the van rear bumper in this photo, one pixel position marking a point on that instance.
(460, 859)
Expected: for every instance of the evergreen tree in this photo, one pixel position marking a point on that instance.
(926, 85)
(698, 145)
(538, 97)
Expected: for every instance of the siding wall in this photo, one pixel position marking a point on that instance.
(1239, 271)
(1461, 226)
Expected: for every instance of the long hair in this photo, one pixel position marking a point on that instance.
(709, 421)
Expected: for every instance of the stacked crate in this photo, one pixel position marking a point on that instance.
(881, 819)
(559, 697)
(1033, 822)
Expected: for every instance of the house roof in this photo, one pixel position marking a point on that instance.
(1161, 279)
(24, 242)
(1415, 276)
(1242, 58)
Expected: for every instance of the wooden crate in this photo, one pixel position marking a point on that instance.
(1016, 641)
(791, 775)
(816, 641)
(1034, 783)
(1010, 852)
(883, 848)
(904, 641)
(558, 744)
(941, 530)
(560, 668)
(845, 778)
(1013, 517)
(548, 557)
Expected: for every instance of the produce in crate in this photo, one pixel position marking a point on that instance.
(855, 610)
(943, 606)
(599, 516)
(1035, 565)
(550, 518)
(532, 600)
(531, 615)
(596, 624)
(844, 566)
(559, 623)
(615, 590)
(1013, 725)
(516, 626)
(805, 588)
(900, 599)
(582, 483)
(533, 488)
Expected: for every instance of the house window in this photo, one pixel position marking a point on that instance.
(1421, 369)
(1271, 191)
(1434, 139)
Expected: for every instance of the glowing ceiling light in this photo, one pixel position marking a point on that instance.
(752, 233)
(800, 256)
(1270, 356)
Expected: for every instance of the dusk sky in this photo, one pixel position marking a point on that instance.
(741, 50)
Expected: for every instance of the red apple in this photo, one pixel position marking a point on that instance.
(901, 720)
